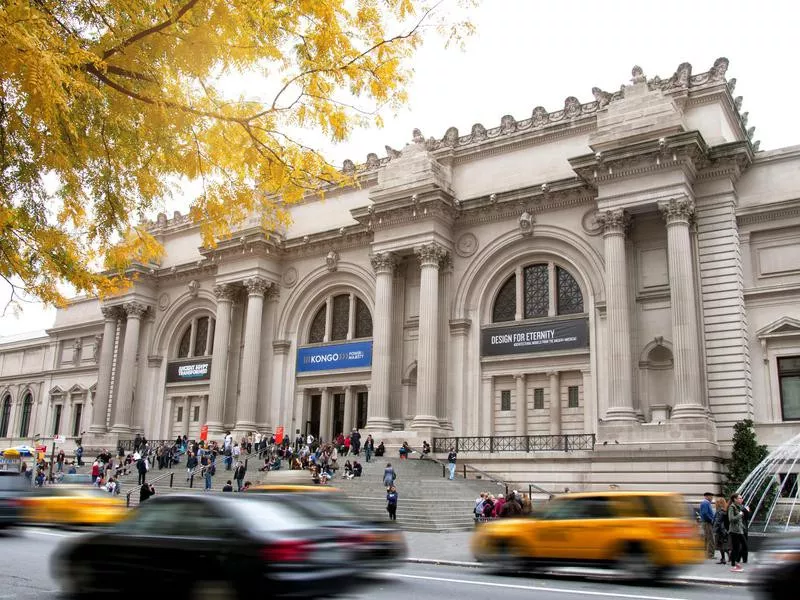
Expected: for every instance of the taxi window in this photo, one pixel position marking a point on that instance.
(633, 507)
(594, 507)
(152, 519)
(665, 507)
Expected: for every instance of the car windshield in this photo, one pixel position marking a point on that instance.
(264, 514)
(77, 492)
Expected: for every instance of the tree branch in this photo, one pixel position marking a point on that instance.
(150, 30)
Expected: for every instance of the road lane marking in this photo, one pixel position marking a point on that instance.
(60, 534)
(511, 586)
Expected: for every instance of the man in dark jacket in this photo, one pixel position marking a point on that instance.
(238, 475)
(141, 467)
(146, 491)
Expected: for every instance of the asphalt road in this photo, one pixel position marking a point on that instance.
(25, 575)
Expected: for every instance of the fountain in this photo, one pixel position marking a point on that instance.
(771, 490)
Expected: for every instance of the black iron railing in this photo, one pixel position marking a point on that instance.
(517, 443)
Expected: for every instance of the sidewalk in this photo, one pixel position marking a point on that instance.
(453, 549)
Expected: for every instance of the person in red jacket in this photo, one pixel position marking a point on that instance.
(95, 471)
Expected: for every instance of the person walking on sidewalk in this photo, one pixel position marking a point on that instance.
(238, 475)
(721, 529)
(389, 476)
(391, 503)
(451, 460)
(707, 519)
(736, 532)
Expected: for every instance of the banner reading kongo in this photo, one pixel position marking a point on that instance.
(198, 369)
(334, 356)
(566, 334)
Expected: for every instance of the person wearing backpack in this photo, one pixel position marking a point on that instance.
(721, 529)
(391, 503)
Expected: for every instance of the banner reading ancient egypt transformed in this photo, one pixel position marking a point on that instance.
(198, 369)
(562, 334)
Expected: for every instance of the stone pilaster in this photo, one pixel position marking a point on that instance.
(683, 308)
(103, 394)
(620, 391)
(248, 396)
(127, 369)
(430, 257)
(522, 407)
(555, 402)
(219, 364)
(378, 407)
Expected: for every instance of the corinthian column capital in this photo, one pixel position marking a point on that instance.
(430, 255)
(256, 286)
(111, 313)
(135, 310)
(615, 222)
(383, 262)
(225, 292)
(677, 210)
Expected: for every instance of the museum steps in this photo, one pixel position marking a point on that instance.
(427, 500)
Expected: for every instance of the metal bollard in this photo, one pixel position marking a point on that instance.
(245, 464)
(191, 480)
(128, 501)
(444, 471)
(171, 478)
(465, 471)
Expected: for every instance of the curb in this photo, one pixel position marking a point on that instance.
(681, 579)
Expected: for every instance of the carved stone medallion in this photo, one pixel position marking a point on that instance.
(163, 301)
(590, 224)
(466, 245)
(290, 277)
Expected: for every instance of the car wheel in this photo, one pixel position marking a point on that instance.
(214, 590)
(79, 580)
(635, 564)
(506, 558)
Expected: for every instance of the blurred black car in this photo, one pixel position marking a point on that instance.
(208, 545)
(777, 575)
(13, 488)
(376, 545)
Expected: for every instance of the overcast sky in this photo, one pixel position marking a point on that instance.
(528, 53)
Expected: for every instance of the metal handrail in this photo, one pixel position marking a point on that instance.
(484, 475)
(517, 443)
(171, 475)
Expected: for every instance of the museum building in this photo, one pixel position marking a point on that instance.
(587, 297)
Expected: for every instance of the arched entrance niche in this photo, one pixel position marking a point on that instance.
(184, 339)
(529, 303)
(656, 381)
(329, 315)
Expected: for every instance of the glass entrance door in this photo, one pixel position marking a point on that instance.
(312, 426)
(361, 410)
(338, 414)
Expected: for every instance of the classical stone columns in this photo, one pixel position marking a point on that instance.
(683, 300)
(349, 409)
(378, 407)
(219, 364)
(127, 367)
(522, 406)
(430, 256)
(103, 393)
(620, 393)
(555, 402)
(187, 406)
(248, 396)
(325, 425)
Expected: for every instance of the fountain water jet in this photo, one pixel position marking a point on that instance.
(771, 490)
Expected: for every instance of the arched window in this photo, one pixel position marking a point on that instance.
(547, 290)
(505, 305)
(363, 320)
(341, 317)
(316, 334)
(197, 338)
(340, 327)
(5, 416)
(25, 422)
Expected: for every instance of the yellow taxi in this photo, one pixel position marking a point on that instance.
(73, 505)
(643, 534)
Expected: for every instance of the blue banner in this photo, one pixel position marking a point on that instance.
(334, 356)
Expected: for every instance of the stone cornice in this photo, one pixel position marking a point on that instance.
(778, 211)
(435, 204)
(317, 244)
(686, 150)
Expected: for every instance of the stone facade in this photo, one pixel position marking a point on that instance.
(627, 268)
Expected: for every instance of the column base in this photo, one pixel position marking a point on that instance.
(378, 424)
(98, 429)
(620, 414)
(122, 430)
(688, 411)
(95, 443)
(245, 427)
(425, 422)
(215, 431)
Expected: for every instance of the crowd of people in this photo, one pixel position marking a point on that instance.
(488, 506)
(725, 522)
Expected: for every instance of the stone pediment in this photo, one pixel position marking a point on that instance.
(783, 327)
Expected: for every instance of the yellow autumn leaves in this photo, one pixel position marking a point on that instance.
(104, 103)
